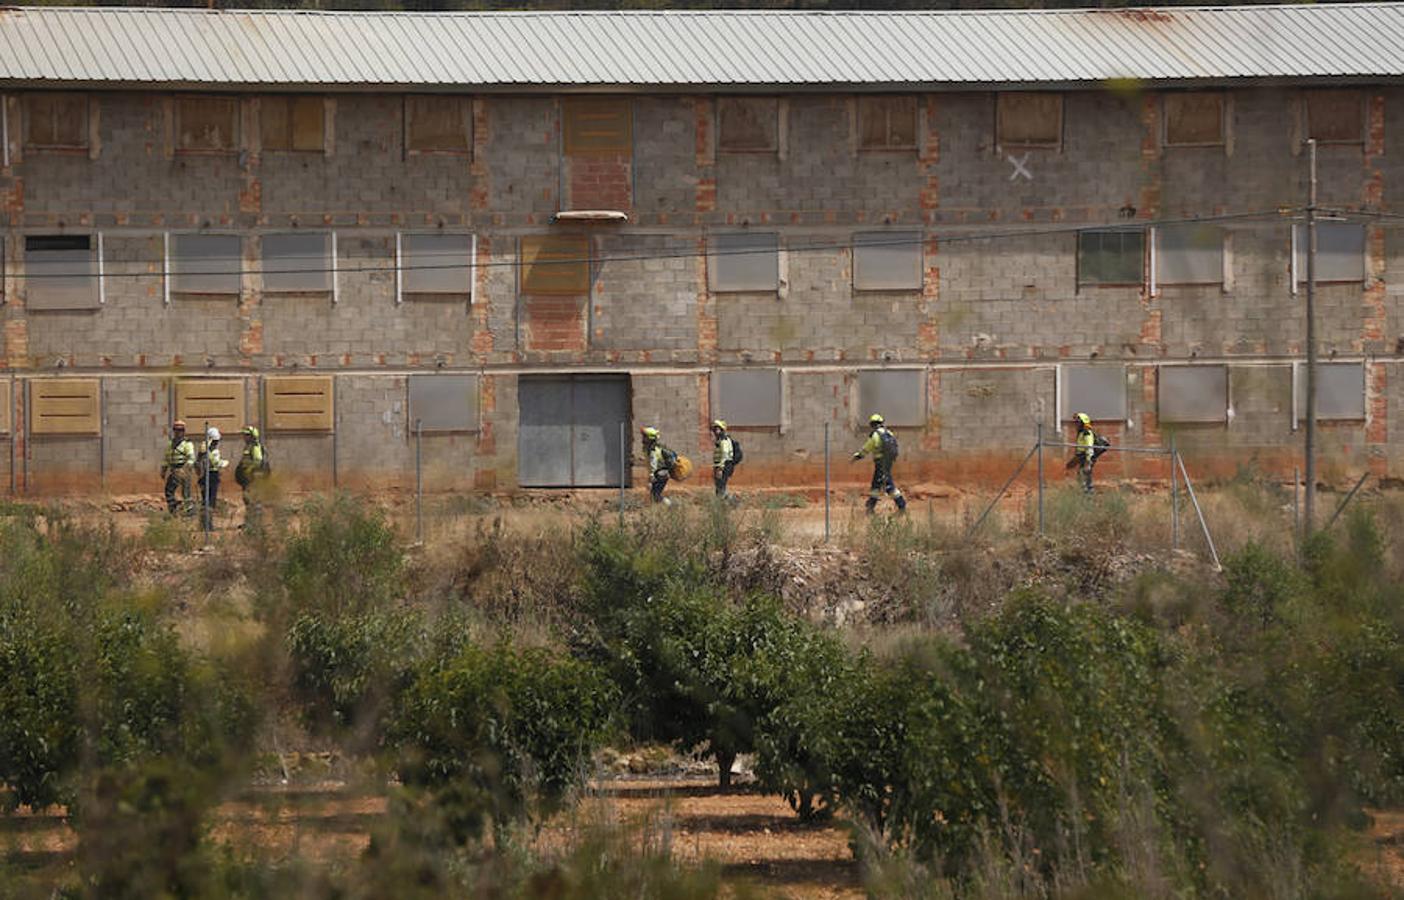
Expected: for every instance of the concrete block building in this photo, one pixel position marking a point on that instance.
(510, 238)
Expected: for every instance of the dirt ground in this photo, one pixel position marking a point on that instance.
(755, 838)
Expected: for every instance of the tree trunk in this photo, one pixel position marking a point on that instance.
(725, 758)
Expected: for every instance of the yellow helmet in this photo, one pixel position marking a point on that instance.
(876, 419)
(650, 433)
(1084, 418)
(719, 424)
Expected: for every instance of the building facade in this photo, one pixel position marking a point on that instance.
(511, 277)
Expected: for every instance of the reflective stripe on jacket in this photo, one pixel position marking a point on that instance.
(656, 460)
(1086, 443)
(180, 453)
(722, 452)
(873, 446)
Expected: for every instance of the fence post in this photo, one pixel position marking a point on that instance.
(419, 481)
(206, 514)
(1174, 498)
(1189, 489)
(826, 482)
(1040, 479)
(623, 468)
(1297, 512)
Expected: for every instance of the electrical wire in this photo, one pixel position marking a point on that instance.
(1277, 214)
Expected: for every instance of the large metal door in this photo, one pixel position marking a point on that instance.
(568, 433)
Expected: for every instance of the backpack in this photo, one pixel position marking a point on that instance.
(1100, 445)
(889, 445)
(736, 454)
(670, 459)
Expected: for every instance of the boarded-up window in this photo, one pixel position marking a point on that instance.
(298, 403)
(443, 402)
(887, 123)
(56, 121)
(747, 397)
(437, 124)
(555, 264)
(297, 263)
(745, 261)
(1340, 252)
(7, 403)
(206, 124)
(597, 125)
(1099, 391)
(1189, 254)
(748, 124)
(1335, 116)
(887, 260)
(64, 406)
(60, 272)
(205, 263)
(218, 402)
(898, 395)
(1194, 119)
(1110, 257)
(1027, 119)
(1193, 394)
(439, 264)
(1340, 391)
(292, 123)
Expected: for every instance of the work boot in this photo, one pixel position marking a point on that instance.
(871, 506)
(901, 503)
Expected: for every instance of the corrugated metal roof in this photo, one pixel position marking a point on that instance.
(505, 51)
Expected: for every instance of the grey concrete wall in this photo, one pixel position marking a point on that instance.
(991, 319)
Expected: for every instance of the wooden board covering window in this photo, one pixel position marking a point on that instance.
(216, 401)
(7, 403)
(206, 124)
(435, 124)
(64, 406)
(597, 126)
(1029, 119)
(56, 120)
(1336, 116)
(555, 264)
(293, 123)
(748, 124)
(887, 123)
(1194, 118)
(298, 403)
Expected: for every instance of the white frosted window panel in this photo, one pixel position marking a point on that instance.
(887, 260)
(60, 272)
(1340, 252)
(1193, 394)
(745, 262)
(1190, 254)
(444, 402)
(437, 263)
(297, 263)
(205, 263)
(1340, 391)
(898, 394)
(748, 397)
(1099, 391)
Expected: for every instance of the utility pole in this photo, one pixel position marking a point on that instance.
(1309, 497)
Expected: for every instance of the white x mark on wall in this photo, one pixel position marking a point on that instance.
(1021, 167)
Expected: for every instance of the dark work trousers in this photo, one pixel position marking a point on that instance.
(1085, 471)
(177, 482)
(212, 500)
(655, 487)
(721, 476)
(883, 483)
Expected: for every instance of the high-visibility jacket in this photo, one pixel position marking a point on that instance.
(657, 460)
(873, 446)
(180, 453)
(215, 459)
(722, 452)
(1086, 443)
(253, 454)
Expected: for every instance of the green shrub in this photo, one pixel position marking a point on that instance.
(348, 670)
(502, 731)
(1258, 584)
(345, 559)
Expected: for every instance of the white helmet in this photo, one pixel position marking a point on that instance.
(212, 433)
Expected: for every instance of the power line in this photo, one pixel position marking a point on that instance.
(821, 247)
